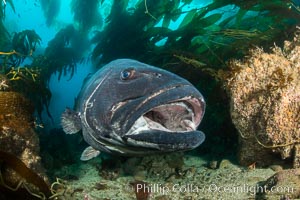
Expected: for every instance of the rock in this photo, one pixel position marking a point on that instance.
(224, 164)
(130, 166)
(213, 164)
(163, 197)
(162, 165)
(276, 168)
(140, 175)
(264, 95)
(282, 185)
(17, 135)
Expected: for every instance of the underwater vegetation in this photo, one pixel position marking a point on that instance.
(24, 79)
(11, 161)
(62, 54)
(51, 9)
(86, 20)
(4, 35)
(31, 80)
(23, 44)
(207, 33)
(14, 77)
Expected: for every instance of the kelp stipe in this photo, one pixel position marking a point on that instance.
(30, 181)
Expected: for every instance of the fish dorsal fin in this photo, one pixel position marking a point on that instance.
(70, 121)
(89, 153)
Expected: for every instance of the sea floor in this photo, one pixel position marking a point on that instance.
(163, 177)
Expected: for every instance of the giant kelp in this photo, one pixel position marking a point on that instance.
(30, 185)
(4, 36)
(26, 79)
(31, 80)
(86, 14)
(8, 160)
(210, 33)
(23, 44)
(51, 9)
(62, 53)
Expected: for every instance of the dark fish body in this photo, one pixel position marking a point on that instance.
(131, 108)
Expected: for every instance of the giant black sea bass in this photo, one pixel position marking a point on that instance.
(131, 108)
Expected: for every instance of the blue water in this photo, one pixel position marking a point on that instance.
(29, 15)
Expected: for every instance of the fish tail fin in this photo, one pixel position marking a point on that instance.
(70, 121)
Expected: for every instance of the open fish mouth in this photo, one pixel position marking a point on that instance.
(169, 126)
(182, 115)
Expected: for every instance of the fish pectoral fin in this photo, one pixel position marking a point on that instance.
(89, 153)
(70, 121)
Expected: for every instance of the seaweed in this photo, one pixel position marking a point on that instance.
(24, 44)
(4, 35)
(62, 53)
(51, 9)
(211, 34)
(31, 185)
(12, 162)
(27, 79)
(3, 6)
(61, 56)
(86, 20)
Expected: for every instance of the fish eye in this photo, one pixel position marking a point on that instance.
(127, 74)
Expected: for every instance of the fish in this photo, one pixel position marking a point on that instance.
(133, 109)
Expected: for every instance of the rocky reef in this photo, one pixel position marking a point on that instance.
(19, 143)
(282, 185)
(264, 91)
(161, 177)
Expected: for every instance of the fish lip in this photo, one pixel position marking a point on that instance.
(167, 142)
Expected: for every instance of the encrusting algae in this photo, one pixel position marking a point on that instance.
(264, 92)
(18, 138)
